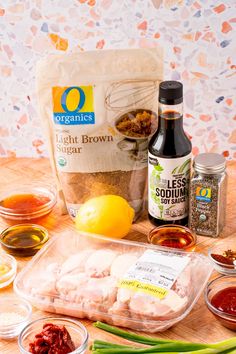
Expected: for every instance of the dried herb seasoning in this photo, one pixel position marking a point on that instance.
(208, 194)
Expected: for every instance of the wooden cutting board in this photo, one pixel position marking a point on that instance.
(200, 325)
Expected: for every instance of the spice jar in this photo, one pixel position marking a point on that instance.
(208, 187)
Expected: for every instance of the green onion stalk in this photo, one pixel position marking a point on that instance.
(158, 345)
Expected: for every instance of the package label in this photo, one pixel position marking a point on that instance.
(168, 187)
(154, 273)
(84, 136)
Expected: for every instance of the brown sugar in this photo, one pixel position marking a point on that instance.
(80, 187)
(139, 123)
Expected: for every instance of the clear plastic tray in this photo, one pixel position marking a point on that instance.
(124, 283)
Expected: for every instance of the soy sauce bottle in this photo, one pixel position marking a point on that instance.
(169, 160)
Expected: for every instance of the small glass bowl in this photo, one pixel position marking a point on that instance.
(77, 331)
(218, 249)
(173, 236)
(23, 240)
(42, 190)
(16, 307)
(8, 277)
(213, 287)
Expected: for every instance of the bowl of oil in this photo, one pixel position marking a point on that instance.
(23, 240)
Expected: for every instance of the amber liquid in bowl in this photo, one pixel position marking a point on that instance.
(27, 207)
(24, 203)
(172, 236)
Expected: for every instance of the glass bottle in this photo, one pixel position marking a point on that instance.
(208, 190)
(169, 160)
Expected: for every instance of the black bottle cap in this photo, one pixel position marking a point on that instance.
(170, 92)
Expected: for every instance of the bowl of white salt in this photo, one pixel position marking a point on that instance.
(15, 314)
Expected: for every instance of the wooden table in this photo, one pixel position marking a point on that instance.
(200, 325)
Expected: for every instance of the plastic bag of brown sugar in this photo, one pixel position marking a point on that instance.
(100, 109)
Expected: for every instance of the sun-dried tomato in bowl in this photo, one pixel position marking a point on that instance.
(52, 340)
(53, 335)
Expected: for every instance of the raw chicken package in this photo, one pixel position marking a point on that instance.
(99, 109)
(123, 283)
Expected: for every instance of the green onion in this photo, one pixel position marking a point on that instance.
(157, 345)
(157, 349)
(114, 350)
(184, 347)
(229, 351)
(147, 351)
(130, 336)
(225, 344)
(99, 344)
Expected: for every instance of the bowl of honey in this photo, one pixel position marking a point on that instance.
(27, 202)
(220, 295)
(173, 236)
(23, 240)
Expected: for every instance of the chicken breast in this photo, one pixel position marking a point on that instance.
(99, 295)
(146, 306)
(75, 263)
(100, 290)
(175, 302)
(70, 282)
(124, 295)
(62, 307)
(99, 263)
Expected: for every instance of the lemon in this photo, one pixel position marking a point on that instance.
(107, 215)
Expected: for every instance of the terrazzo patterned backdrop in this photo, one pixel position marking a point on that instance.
(199, 41)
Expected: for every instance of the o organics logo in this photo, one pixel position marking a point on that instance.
(61, 161)
(73, 105)
(203, 194)
(73, 99)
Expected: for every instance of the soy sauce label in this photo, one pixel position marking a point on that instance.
(168, 187)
